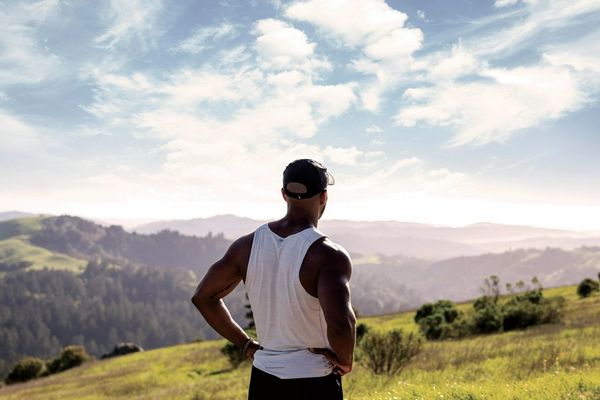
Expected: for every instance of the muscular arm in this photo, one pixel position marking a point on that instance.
(334, 296)
(221, 278)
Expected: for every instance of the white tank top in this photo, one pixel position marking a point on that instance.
(288, 319)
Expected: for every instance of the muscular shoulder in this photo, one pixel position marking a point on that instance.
(239, 251)
(331, 255)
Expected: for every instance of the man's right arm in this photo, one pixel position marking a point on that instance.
(334, 296)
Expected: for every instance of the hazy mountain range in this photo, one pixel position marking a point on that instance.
(430, 242)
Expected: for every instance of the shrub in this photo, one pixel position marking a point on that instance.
(122, 349)
(436, 321)
(233, 354)
(70, 356)
(487, 319)
(361, 330)
(388, 353)
(586, 287)
(531, 308)
(26, 369)
(519, 315)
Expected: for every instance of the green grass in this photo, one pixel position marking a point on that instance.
(15, 247)
(19, 249)
(560, 361)
(20, 227)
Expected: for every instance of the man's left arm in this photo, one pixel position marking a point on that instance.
(220, 280)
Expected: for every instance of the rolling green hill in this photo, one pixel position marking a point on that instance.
(15, 247)
(546, 362)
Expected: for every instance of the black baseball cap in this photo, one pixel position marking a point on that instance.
(305, 178)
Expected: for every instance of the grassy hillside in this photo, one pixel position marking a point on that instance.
(20, 227)
(15, 247)
(20, 250)
(548, 362)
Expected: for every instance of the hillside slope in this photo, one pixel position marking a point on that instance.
(548, 362)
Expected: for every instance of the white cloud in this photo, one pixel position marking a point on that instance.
(132, 20)
(488, 111)
(23, 59)
(357, 22)
(504, 3)
(17, 136)
(281, 46)
(374, 129)
(375, 28)
(401, 177)
(269, 113)
(421, 15)
(461, 88)
(533, 25)
(398, 44)
(449, 66)
(342, 155)
(205, 37)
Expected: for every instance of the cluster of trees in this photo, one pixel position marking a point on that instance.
(33, 367)
(42, 311)
(588, 286)
(519, 310)
(7, 266)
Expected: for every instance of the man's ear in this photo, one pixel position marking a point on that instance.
(283, 195)
(323, 197)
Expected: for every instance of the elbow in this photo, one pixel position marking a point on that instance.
(195, 301)
(198, 300)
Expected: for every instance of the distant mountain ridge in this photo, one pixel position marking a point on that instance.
(431, 242)
(7, 215)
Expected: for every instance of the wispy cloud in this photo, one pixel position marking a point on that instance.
(487, 111)
(23, 58)
(204, 38)
(487, 104)
(17, 136)
(132, 20)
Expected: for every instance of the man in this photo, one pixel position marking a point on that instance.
(297, 282)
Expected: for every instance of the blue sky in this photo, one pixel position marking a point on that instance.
(429, 111)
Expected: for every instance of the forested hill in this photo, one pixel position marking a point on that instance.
(84, 239)
(103, 286)
(42, 311)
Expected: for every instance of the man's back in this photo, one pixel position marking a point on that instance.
(288, 319)
(298, 285)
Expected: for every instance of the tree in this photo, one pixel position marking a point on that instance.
(436, 320)
(586, 287)
(70, 356)
(26, 369)
(492, 287)
(249, 315)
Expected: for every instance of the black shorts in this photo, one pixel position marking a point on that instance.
(265, 386)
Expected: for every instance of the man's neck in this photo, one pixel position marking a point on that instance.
(299, 219)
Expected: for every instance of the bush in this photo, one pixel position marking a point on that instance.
(586, 287)
(26, 369)
(361, 330)
(70, 356)
(233, 354)
(487, 319)
(122, 349)
(388, 353)
(436, 321)
(531, 308)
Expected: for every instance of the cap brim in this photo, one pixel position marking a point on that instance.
(330, 179)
